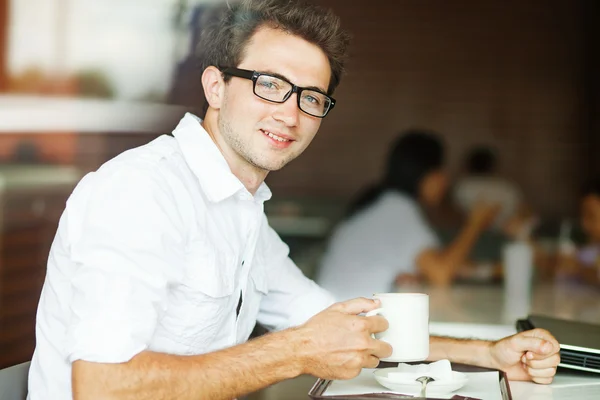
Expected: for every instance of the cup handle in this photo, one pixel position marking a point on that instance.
(377, 311)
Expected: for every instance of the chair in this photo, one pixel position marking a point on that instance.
(13, 382)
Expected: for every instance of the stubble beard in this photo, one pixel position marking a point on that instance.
(243, 149)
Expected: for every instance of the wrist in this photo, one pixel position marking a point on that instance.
(463, 351)
(487, 356)
(295, 345)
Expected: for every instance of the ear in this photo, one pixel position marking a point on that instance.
(214, 87)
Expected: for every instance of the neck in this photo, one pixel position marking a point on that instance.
(250, 176)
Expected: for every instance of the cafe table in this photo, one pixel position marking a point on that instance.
(482, 311)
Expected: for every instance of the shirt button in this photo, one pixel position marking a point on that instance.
(243, 262)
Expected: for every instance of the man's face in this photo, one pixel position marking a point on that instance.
(260, 133)
(590, 217)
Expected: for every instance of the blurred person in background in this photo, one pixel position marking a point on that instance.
(583, 263)
(386, 240)
(481, 182)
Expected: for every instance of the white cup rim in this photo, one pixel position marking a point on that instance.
(400, 295)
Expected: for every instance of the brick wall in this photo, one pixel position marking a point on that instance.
(3, 43)
(592, 65)
(506, 73)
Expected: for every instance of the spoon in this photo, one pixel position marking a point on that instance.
(424, 381)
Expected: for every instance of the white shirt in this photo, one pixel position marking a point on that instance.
(367, 251)
(152, 252)
(470, 190)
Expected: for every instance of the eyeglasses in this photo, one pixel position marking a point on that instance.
(278, 90)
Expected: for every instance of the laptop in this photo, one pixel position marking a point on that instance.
(579, 342)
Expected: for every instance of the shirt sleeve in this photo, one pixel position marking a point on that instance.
(127, 245)
(292, 298)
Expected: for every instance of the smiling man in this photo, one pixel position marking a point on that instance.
(164, 260)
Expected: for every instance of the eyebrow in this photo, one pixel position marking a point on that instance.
(276, 75)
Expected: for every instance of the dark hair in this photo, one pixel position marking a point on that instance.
(591, 188)
(415, 153)
(230, 26)
(481, 161)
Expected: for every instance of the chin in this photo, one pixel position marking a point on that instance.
(274, 164)
(268, 166)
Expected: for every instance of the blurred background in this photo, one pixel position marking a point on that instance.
(83, 80)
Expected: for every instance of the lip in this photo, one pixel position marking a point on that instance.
(276, 143)
(277, 133)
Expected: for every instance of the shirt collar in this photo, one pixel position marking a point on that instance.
(208, 164)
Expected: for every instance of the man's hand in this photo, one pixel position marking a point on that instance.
(337, 343)
(530, 355)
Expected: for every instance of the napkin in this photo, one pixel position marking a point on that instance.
(440, 371)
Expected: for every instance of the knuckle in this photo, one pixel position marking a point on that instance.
(363, 343)
(357, 362)
(373, 362)
(360, 324)
(555, 361)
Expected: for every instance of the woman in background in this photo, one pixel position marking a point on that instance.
(386, 239)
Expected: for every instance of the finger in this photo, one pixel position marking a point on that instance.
(371, 362)
(543, 381)
(377, 323)
(544, 334)
(356, 306)
(541, 373)
(381, 349)
(530, 341)
(548, 362)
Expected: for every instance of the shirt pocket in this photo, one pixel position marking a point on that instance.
(259, 280)
(203, 306)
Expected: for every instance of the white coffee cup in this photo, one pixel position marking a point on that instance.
(408, 318)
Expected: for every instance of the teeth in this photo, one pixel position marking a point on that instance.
(272, 136)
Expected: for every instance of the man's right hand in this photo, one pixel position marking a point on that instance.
(337, 342)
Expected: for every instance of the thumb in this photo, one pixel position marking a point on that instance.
(356, 306)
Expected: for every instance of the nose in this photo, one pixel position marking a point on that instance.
(288, 111)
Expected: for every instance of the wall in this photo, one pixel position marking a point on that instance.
(477, 71)
(3, 43)
(592, 85)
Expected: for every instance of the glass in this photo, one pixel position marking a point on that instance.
(278, 90)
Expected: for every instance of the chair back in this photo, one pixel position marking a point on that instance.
(13, 382)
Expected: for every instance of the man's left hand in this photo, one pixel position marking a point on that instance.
(527, 356)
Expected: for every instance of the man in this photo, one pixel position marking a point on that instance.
(164, 260)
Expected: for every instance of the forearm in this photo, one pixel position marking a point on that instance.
(224, 374)
(464, 351)
(457, 252)
(440, 267)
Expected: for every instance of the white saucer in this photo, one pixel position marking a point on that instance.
(412, 387)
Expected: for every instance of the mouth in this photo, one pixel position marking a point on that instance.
(279, 140)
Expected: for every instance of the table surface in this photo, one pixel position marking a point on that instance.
(484, 311)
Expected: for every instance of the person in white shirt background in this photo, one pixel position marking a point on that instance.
(164, 260)
(386, 239)
(480, 180)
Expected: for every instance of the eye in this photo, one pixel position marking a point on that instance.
(268, 84)
(312, 99)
